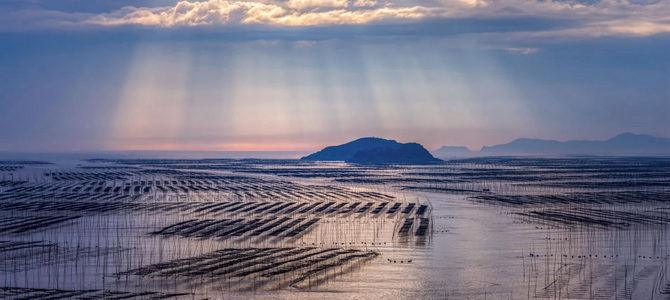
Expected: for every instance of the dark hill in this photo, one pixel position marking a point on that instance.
(375, 151)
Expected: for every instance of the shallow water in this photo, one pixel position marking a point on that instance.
(596, 241)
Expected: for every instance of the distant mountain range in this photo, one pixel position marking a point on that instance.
(623, 144)
(371, 150)
(453, 149)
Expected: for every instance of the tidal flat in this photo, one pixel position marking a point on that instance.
(199, 228)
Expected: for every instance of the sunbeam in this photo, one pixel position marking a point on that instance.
(151, 107)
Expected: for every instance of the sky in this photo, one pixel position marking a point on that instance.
(88, 75)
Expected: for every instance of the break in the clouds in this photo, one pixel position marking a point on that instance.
(576, 19)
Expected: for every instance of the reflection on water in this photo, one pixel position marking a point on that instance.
(494, 228)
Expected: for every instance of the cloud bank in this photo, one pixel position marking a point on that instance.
(602, 18)
(291, 13)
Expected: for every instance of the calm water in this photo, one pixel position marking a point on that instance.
(592, 228)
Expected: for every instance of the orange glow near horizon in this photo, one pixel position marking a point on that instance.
(221, 147)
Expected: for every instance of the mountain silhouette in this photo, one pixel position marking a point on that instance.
(452, 151)
(372, 150)
(623, 144)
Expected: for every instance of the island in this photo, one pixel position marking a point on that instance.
(373, 150)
